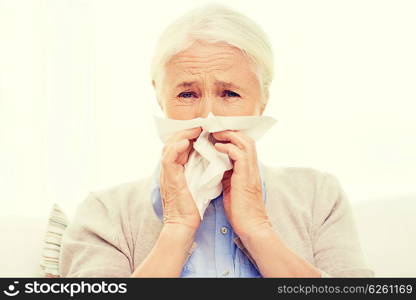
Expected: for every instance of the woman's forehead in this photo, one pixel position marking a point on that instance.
(224, 64)
(208, 55)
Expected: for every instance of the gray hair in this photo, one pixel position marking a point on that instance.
(216, 23)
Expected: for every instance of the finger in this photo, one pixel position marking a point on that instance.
(241, 140)
(231, 150)
(191, 133)
(236, 137)
(179, 146)
(172, 152)
(183, 156)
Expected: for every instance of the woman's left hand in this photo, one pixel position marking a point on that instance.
(242, 187)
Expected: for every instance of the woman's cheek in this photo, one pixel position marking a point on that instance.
(238, 108)
(180, 110)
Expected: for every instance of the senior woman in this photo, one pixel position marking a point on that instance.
(215, 60)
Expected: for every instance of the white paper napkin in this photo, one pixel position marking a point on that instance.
(206, 166)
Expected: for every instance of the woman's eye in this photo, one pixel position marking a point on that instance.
(187, 95)
(228, 93)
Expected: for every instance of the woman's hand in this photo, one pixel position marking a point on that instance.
(242, 187)
(181, 216)
(178, 205)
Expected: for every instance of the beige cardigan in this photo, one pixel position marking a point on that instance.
(114, 230)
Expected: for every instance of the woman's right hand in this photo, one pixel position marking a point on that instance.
(178, 205)
(180, 214)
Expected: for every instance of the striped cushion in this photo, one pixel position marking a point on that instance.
(57, 224)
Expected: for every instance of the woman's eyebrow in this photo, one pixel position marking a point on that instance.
(185, 84)
(221, 84)
(228, 85)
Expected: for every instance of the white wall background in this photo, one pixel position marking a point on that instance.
(76, 102)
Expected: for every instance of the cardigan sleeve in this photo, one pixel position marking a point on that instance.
(336, 244)
(90, 246)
